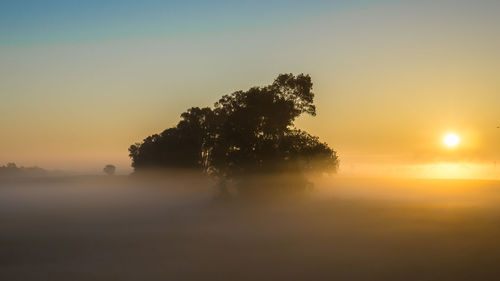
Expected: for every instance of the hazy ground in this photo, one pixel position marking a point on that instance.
(116, 228)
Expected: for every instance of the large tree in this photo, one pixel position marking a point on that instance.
(246, 133)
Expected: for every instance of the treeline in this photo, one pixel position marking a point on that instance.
(11, 169)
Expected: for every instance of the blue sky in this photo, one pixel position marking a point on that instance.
(42, 22)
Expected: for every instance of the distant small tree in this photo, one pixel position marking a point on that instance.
(109, 170)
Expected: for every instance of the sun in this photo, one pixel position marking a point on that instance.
(451, 140)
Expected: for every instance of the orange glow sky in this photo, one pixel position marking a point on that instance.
(391, 79)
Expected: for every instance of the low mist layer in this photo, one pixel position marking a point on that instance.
(127, 228)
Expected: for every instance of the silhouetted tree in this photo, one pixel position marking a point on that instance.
(246, 133)
(109, 169)
(183, 146)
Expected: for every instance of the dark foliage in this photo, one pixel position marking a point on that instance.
(12, 170)
(109, 169)
(246, 133)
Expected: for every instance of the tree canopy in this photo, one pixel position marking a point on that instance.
(246, 132)
(109, 169)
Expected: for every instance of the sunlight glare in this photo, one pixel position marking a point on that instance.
(451, 140)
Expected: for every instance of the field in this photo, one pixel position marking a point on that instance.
(118, 228)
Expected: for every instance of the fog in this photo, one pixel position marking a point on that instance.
(129, 228)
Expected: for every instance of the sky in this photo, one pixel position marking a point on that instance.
(80, 81)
